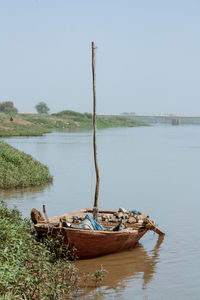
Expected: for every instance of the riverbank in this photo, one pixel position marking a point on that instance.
(28, 269)
(39, 124)
(31, 270)
(18, 169)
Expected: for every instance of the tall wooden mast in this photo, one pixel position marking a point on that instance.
(95, 208)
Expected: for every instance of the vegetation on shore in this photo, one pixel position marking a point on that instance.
(84, 121)
(19, 127)
(32, 270)
(28, 269)
(18, 169)
(38, 124)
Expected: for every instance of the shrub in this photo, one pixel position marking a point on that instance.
(18, 169)
(28, 270)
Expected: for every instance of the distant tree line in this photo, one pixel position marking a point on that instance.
(42, 108)
(8, 107)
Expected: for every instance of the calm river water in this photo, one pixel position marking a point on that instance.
(153, 169)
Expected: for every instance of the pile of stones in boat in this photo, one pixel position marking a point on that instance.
(123, 214)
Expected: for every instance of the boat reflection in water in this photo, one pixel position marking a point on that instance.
(151, 261)
(121, 268)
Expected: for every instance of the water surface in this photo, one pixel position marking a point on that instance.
(152, 169)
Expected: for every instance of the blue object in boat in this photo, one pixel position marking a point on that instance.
(136, 212)
(95, 224)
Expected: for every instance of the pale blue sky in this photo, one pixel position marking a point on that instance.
(148, 56)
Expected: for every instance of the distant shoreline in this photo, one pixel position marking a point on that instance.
(39, 124)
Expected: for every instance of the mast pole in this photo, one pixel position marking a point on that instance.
(95, 208)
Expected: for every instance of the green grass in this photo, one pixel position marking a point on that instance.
(38, 124)
(31, 270)
(23, 130)
(42, 120)
(3, 116)
(17, 128)
(28, 269)
(18, 169)
(84, 121)
(69, 119)
(118, 122)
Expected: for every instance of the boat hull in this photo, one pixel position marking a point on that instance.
(91, 243)
(94, 243)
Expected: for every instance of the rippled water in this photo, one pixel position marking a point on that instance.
(153, 169)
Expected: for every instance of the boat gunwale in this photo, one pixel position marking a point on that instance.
(46, 227)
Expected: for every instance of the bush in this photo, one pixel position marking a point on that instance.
(28, 270)
(68, 113)
(18, 169)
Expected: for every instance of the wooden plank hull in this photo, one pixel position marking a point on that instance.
(91, 243)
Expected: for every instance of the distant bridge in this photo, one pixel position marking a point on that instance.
(159, 119)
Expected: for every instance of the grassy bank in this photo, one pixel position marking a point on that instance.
(36, 124)
(20, 127)
(31, 270)
(18, 169)
(28, 270)
(84, 121)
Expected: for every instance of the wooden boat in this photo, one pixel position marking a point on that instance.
(84, 243)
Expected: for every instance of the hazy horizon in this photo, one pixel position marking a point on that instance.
(147, 56)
